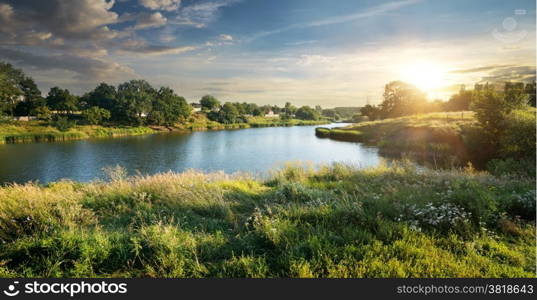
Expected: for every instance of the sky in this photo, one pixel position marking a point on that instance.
(308, 52)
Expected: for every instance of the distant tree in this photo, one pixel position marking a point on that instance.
(258, 112)
(168, 108)
(43, 113)
(287, 112)
(103, 96)
(10, 91)
(515, 95)
(459, 101)
(62, 100)
(401, 99)
(96, 115)
(209, 103)
(530, 91)
(228, 114)
(371, 112)
(307, 113)
(319, 109)
(31, 98)
(331, 113)
(134, 99)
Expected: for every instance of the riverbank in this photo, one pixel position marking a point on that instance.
(335, 222)
(444, 139)
(38, 131)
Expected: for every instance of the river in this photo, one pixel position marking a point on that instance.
(254, 150)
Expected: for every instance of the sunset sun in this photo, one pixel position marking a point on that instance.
(427, 76)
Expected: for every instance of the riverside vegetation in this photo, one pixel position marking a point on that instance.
(133, 108)
(338, 221)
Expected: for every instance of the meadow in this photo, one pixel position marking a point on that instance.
(337, 221)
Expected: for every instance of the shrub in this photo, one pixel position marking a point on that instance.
(64, 124)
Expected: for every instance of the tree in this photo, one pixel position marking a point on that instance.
(515, 95)
(209, 103)
(287, 112)
(168, 108)
(135, 99)
(307, 113)
(228, 114)
(61, 100)
(459, 101)
(9, 90)
(103, 96)
(371, 112)
(401, 99)
(530, 91)
(96, 115)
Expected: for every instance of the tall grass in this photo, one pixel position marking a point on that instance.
(336, 221)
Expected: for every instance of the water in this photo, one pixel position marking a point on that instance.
(255, 150)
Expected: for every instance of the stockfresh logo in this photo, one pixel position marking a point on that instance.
(64, 288)
(12, 290)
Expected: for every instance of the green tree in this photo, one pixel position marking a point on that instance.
(228, 114)
(134, 99)
(96, 115)
(307, 113)
(209, 103)
(103, 96)
(371, 112)
(401, 99)
(10, 92)
(530, 91)
(460, 101)
(168, 108)
(62, 100)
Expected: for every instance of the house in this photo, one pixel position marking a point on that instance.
(271, 114)
(196, 107)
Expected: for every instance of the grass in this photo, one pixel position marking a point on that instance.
(199, 122)
(436, 138)
(38, 131)
(337, 221)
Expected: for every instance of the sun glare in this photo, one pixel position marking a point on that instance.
(427, 76)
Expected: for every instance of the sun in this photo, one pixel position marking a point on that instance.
(425, 75)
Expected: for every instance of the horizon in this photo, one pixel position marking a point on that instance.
(303, 52)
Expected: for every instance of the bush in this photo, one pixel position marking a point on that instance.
(64, 124)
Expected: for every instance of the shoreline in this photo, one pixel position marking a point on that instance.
(35, 132)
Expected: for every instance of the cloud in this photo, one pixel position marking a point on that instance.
(141, 47)
(201, 14)
(145, 20)
(370, 12)
(74, 19)
(167, 5)
(84, 67)
(480, 69)
(225, 37)
(511, 73)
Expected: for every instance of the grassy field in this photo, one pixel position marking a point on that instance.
(334, 222)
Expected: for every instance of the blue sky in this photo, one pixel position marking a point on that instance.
(309, 52)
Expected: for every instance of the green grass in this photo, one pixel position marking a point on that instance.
(334, 222)
(435, 138)
(37, 131)
(199, 122)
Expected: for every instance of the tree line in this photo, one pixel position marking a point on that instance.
(403, 99)
(134, 102)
